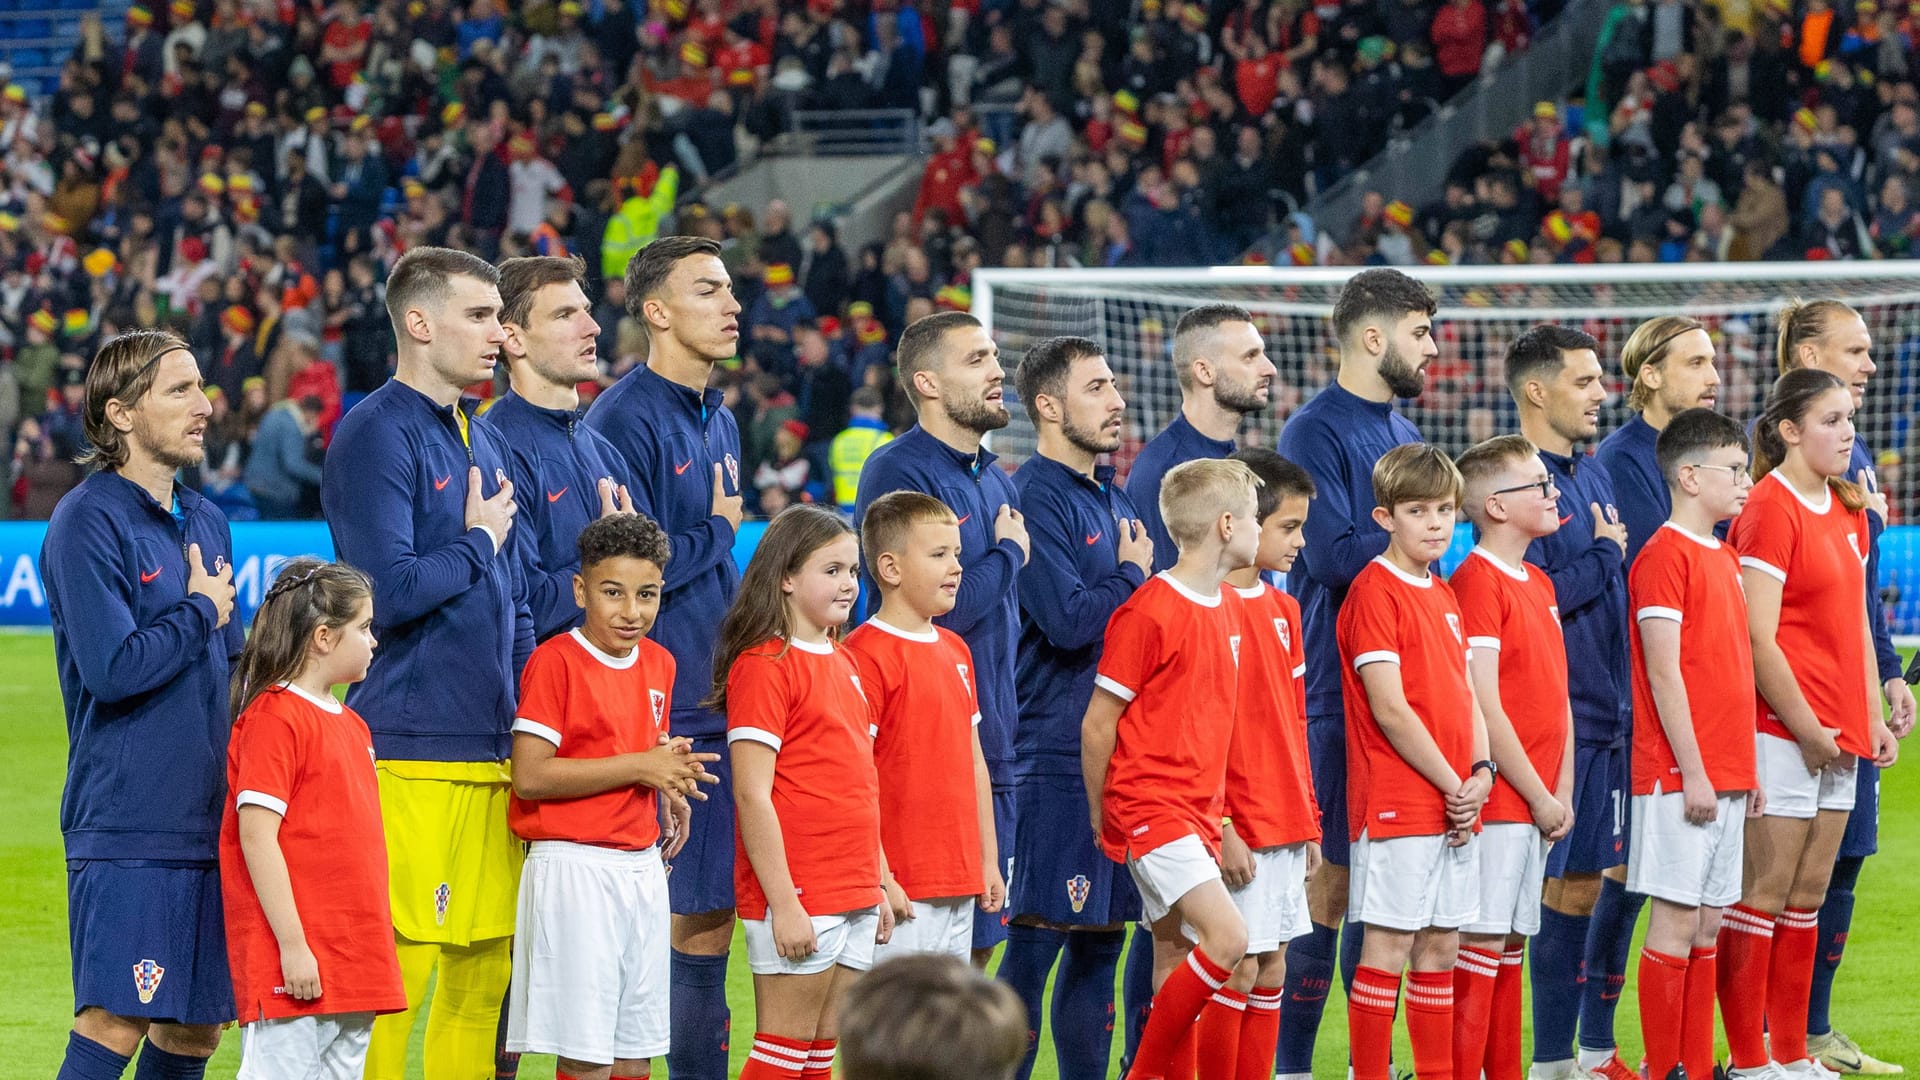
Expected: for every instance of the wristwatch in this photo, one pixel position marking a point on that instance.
(1492, 767)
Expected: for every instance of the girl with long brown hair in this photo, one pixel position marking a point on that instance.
(1832, 337)
(808, 865)
(303, 856)
(1802, 541)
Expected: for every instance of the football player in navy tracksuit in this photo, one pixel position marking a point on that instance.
(1558, 387)
(417, 497)
(951, 370)
(1220, 361)
(1383, 326)
(567, 472)
(1669, 364)
(139, 582)
(1089, 552)
(682, 450)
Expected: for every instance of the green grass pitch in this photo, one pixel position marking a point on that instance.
(1874, 1000)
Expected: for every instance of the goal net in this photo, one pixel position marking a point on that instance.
(1132, 313)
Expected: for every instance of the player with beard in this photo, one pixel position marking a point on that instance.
(1668, 362)
(1558, 387)
(1383, 327)
(1090, 551)
(140, 592)
(951, 370)
(1221, 362)
(417, 497)
(682, 449)
(550, 350)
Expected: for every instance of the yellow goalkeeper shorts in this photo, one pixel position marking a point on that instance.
(453, 865)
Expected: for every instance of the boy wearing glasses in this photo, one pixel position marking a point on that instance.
(1693, 751)
(1518, 667)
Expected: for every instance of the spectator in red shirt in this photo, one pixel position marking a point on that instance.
(345, 46)
(1544, 151)
(1460, 38)
(1256, 73)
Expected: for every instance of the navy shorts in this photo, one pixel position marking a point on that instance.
(990, 927)
(1862, 837)
(1060, 875)
(1602, 800)
(700, 878)
(1327, 755)
(149, 941)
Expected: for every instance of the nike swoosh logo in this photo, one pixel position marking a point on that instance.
(554, 496)
(1093, 539)
(1566, 519)
(682, 467)
(441, 483)
(963, 520)
(146, 578)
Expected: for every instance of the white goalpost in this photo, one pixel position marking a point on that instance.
(1131, 313)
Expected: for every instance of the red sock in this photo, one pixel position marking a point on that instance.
(775, 1057)
(1175, 1007)
(1217, 1047)
(1370, 1008)
(1474, 974)
(820, 1060)
(1796, 937)
(1503, 1060)
(1696, 1015)
(1663, 986)
(1186, 1054)
(1430, 1023)
(1745, 947)
(1259, 1034)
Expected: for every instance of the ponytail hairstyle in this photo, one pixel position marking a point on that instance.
(1789, 401)
(1803, 322)
(759, 610)
(309, 593)
(1647, 345)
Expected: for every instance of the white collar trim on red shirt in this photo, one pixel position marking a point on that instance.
(1253, 593)
(1203, 601)
(327, 703)
(1824, 505)
(928, 638)
(1709, 542)
(1417, 582)
(617, 663)
(817, 648)
(1520, 574)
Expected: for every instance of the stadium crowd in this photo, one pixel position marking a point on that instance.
(1705, 132)
(248, 172)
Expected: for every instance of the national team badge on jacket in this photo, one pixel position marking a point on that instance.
(146, 979)
(1077, 889)
(440, 897)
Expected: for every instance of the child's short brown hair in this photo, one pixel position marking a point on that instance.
(1483, 465)
(930, 1017)
(1193, 495)
(1415, 472)
(893, 515)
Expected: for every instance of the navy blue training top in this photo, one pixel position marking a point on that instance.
(143, 672)
(1180, 443)
(1337, 437)
(556, 463)
(1070, 587)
